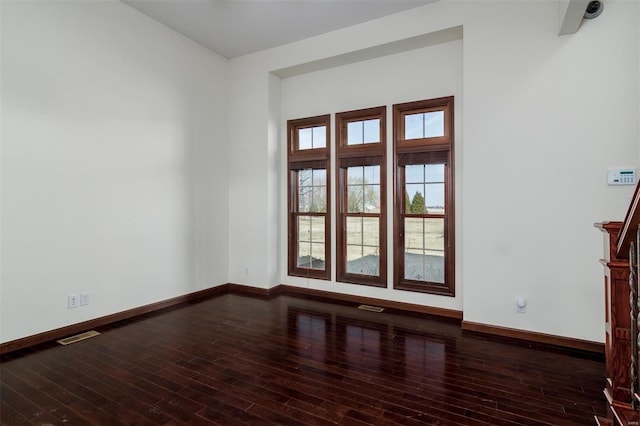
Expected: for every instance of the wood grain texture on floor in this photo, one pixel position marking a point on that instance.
(235, 360)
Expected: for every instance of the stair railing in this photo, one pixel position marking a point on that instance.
(633, 300)
(634, 275)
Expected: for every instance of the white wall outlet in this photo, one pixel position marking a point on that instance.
(521, 305)
(84, 298)
(72, 301)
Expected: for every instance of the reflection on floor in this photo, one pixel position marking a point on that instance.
(241, 360)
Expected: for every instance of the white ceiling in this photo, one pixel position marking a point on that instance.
(234, 28)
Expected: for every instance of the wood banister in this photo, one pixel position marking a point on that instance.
(629, 226)
(622, 322)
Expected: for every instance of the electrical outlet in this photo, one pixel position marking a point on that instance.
(72, 301)
(521, 305)
(84, 298)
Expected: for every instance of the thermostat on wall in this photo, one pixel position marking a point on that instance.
(621, 176)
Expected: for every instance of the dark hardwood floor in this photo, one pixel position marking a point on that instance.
(243, 360)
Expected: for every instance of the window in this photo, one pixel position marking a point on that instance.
(361, 218)
(423, 205)
(309, 202)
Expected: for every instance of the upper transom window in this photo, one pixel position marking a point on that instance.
(363, 132)
(312, 138)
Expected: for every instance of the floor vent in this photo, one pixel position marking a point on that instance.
(371, 308)
(78, 337)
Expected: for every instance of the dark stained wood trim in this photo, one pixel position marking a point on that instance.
(360, 155)
(109, 319)
(253, 291)
(532, 336)
(401, 307)
(297, 160)
(308, 154)
(361, 150)
(387, 304)
(424, 151)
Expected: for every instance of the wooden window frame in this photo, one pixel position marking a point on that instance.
(424, 151)
(360, 155)
(297, 160)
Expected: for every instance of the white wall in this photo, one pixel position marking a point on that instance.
(114, 163)
(139, 166)
(543, 118)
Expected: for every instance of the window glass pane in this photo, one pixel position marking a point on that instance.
(413, 126)
(312, 190)
(372, 199)
(434, 236)
(371, 232)
(354, 133)
(317, 230)
(304, 199)
(434, 172)
(363, 242)
(354, 260)
(355, 199)
(304, 190)
(319, 137)
(304, 254)
(363, 260)
(354, 230)
(363, 231)
(366, 131)
(424, 125)
(415, 193)
(428, 197)
(434, 200)
(424, 249)
(407, 204)
(319, 177)
(304, 229)
(305, 177)
(355, 175)
(434, 124)
(311, 234)
(355, 189)
(371, 174)
(304, 243)
(318, 200)
(371, 131)
(312, 137)
(304, 139)
(414, 233)
(414, 173)
(363, 197)
(317, 256)
(370, 261)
